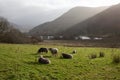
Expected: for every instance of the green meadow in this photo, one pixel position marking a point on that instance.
(19, 62)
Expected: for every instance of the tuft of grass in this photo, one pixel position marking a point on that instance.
(101, 54)
(116, 58)
(93, 56)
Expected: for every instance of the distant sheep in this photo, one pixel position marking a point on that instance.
(41, 50)
(43, 60)
(74, 52)
(67, 56)
(54, 51)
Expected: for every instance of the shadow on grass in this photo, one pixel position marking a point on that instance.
(64, 58)
(114, 63)
(47, 56)
(34, 54)
(34, 63)
(38, 55)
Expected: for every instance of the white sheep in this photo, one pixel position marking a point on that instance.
(54, 51)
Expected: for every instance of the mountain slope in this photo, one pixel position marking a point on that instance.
(9, 34)
(70, 18)
(104, 23)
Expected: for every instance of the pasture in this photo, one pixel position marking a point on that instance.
(19, 62)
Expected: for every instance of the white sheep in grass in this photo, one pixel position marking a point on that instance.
(54, 51)
(43, 60)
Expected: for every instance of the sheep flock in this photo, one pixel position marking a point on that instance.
(54, 52)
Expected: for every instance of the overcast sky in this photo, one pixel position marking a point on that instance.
(30, 13)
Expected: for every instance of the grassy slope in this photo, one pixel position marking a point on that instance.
(18, 62)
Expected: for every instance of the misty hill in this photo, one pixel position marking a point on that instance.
(9, 34)
(67, 20)
(19, 27)
(5, 23)
(104, 23)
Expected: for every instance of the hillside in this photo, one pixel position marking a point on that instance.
(70, 18)
(5, 25)
(9, 34)
(104, 23)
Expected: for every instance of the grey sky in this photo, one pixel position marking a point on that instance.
(30, 13)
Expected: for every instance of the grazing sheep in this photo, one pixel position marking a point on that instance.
(67, 56)
(74, 52)
(43, 60)
(54, 51)
(41, 50)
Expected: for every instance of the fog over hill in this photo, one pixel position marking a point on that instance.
(104, 23)
(67, 20)
(26, 19)
(30, 13)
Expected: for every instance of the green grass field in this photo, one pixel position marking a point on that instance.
(19, 62)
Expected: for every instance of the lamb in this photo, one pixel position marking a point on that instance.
(41, 50)
(67, 56)
(43, 60)
(54, 51)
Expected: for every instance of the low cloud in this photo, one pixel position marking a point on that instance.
(30, 13)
